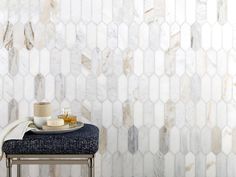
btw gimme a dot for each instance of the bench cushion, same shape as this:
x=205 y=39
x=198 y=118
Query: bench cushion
x=82 y=141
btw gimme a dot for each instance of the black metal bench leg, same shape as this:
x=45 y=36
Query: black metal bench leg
x=91 y=167
x=9 y=167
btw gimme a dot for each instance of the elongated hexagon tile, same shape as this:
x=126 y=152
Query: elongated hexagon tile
x=200 y=165
x=8 y=36
x=159 y=164
x=133 y=139
x=138 y=164
x=18 y=87
x=29 y=35
x=13 y=110
x=179 y=164
x=8 y=89
x=103 y=140
x=4 y=112
x=164 y=140
x=206 y=140
x=148 y=162
x=174 y=140
x=127 y=109
x=211 y=165
x=149 y=59
x=159 y=62
x=148 y=114
x=44 y=63
x=86 y=109
x=154 y=140
x=190 y=165
x=13 y=66
x=106 y=164
x=101 y=87
x=174 y=88
x=169 y=165
x=122 y=88
x=231 y=110
x=49 y=87
x=190 y=113
x=107 y=114
x=221 y=165
x=169 y=114
x=55 y=61
x=81 y=87
x=143 y=139
x=231 y=171
x=112 y=91
x=60 y=87
x=122 y=145
x=180 y=114
x=195 y=137
x=200 y=114
x=39 y=87
x=164 y=88
x=185 y=140
x=117 y=164
x=117 y=119
x=112 y=139
x=226 y=140
x=70 y=87
x=216 y=140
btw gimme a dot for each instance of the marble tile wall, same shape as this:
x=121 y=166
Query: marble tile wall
x=158 y=77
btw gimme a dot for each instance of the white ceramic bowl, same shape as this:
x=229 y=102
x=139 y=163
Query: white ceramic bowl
x=40 y=121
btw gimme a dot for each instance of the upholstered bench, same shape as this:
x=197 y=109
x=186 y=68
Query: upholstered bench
x=77 y=147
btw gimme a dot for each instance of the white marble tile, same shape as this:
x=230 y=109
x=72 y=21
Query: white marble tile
x=211 y=165
x=138 y=114
x=112 y=139
x=107 y=114
x=226 y=140
x=143 y=139
x=179 y=165
x=138 y=164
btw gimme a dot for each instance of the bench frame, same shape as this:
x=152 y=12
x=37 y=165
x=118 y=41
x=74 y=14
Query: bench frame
x=50 y=159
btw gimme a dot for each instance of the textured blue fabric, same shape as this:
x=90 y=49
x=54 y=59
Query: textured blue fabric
x=82 y=141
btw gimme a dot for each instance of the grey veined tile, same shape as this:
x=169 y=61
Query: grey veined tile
x=13 y=59
x=133 y=139
x=13 y=110
x=39 y=87
x=164 y=140
x=29 y=36
x=8 y=36
x=159 y=164
x=195 y=36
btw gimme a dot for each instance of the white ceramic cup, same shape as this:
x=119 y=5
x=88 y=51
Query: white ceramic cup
x=40 y=121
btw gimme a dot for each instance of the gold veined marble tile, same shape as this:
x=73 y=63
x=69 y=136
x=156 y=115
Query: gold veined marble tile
x=29 y=36
x=8 y=36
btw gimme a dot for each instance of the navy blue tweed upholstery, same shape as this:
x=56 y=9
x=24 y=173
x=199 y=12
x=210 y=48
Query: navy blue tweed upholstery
x=82 y=141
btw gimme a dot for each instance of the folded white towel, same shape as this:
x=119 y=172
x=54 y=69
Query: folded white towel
x=14 y=130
